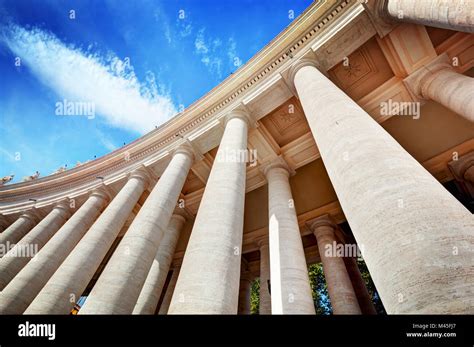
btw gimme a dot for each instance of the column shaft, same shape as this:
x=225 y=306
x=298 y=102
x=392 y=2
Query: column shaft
x=31 y=243
x=455 y=15
x=265 y=306
x=209 y=278
x=17 y=230
x=155 y=280
x=363 y=297
x=68 y=283
x=165 y=304
x=341 y=292
x=451 y=89
x=290 y=287
x=417 y=239
x=244 y=293
x=21 y=291
x=119 y=286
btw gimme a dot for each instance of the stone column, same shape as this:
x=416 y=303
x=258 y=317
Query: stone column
x=165 y=304
x=290 y=288
x=462 y=169
x=32 y=242
x=417 y=239
x=341 y=292
x=21 y=291
x=68 y=283
x=244 y=292
x=155 y=280
x=12 y=234
x=363 y=297
x=448 y=14
x=469 y=174
x=119 y=285
x=439 y=82
x=265 y=301
x=209 y=278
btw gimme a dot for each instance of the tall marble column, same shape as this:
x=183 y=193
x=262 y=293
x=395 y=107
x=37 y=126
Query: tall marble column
x=439 y=82
x=165 y=304
x=20 y=292
x=360 y=289
x=290 y=287
x=417 y=239
x=265 y=306
x=31 y=243
x=209 y=277
x=119 y=286
x=12 y=234
x=68 y=283
x=341 y=292
x=155 y=280
x=448 y=14
x=244 y=292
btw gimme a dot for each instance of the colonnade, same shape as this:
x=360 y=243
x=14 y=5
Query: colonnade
x=417 y=238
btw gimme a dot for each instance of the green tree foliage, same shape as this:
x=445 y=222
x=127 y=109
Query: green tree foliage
x=255 y=297
x=322 y=303
x=370 y=286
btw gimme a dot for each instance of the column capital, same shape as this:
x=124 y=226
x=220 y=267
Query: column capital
x=102 y=192
x=64 y=206
x=262 y=241
x=321 y=224
x=241 y=112
x=186 y=147
x=142 y=174
x=180 y=217
x=461 y=168
x=377 y=12
x=32 y=214
x=300 y=64
x=277 y=163
x=419 y=80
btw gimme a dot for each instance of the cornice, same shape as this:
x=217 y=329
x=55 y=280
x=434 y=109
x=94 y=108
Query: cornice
x=156 y=145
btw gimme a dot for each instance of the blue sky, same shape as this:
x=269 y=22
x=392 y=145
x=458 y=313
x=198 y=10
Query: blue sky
x=135 y=63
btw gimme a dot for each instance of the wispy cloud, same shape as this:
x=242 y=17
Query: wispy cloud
x=234 y=59
x=185 y=27
x=105 y=141
x=213 y=51
x=162 y=18
x=207 y=49
x=120 y=99
x=6 y=154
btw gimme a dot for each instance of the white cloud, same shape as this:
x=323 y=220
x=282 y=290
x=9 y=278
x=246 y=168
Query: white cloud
x=213 y=51
x=208 y=51
x=232 y=53
x=106 y=141
x=6 y=154
x=163 y=20
x=200 y=43
x=120 y=99
x=185 y=28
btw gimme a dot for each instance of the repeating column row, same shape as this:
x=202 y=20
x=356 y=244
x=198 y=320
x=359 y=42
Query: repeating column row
x=396 y=209
x=119 y=286
x=21 y=291
x=70 y=280
x=370 y=172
